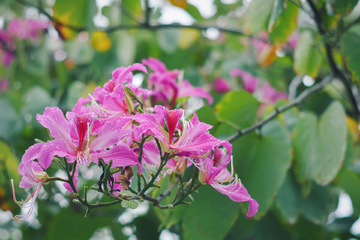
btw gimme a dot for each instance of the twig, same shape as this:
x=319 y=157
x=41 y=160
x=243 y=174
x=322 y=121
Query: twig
x=281 y=109
x=145 y=25
x=334 y=68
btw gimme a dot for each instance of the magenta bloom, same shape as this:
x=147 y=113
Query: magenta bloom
x=269 y=94
x=33 y=174
x=187 y=90
x=213 y=171
x=259 y=44
x=250 y=82
x=221 y=85
x=191 y=138
x=26 y=28
x=7 y=48
x=82 y=138
x=293 y=40
x=112 y=97
x=166 y=84
x=4 y=85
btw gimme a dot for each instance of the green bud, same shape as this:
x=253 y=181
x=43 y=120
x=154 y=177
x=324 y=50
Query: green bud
x=125 y=204
x=133 y=204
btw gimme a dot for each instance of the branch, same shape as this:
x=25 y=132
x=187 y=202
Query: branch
x=334 y=68
x=281 y=109
x=145 y=25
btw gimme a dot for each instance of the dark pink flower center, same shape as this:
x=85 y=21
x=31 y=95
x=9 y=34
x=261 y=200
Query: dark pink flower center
x=172 y=123
x=217 y=157
x=82 y=129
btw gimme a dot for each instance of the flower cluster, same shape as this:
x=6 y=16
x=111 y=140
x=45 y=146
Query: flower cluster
x=21 y=29
x=121 y=128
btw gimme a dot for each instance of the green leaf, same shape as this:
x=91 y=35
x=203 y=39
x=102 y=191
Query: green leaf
x=125 y=204
x=168 y=217
x=268 y=228
x=350 y=45
x=276 y=11
x=8 y=170
x=37 y=99
x=258 y=14
x=8 y=157
x=307 y=59
x=320 y=144
x=210 y=216
x=73 y=13
x=350 y=153
x=238 y=108
x=171 y=217
x=194 y=12
x=167 y=39
x=261 y=162
x=318 y=205
x=287 y=199
x=146 y=226
x=133 y=204
x=8 y=120
x=305 y=229
x=343 y=6
x=207 y=115
x=350 y=182
x=69 y=225
x=285 y=25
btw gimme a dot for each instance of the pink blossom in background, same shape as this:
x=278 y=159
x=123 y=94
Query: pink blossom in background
x=293 y=40
x=221 y=85
x=250 y=82
x=260 y=44
x=270 y=95
x=188 y=90
x=7 y=48
x=213 y=171
x=170 y=85
x=4 y=85
x=26 y=28
x=33 y=174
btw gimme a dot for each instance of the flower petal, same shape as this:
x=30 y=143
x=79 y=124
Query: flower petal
x=106 y=137
x=54 y=120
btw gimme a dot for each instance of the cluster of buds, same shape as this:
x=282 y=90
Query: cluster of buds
x=121 y=128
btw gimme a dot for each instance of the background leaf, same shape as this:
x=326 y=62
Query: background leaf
x=215 y=215
x=320 y=144
x=307 y=59
x=261 y=162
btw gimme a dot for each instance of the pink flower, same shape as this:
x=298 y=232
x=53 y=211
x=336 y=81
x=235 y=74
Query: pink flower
x=33 y=174
x=166 y=84
x=213 y=171
x=82 y=138
x=151 y=160
x=191 y=138
x=114 y=101
x=7 y=48
x=269 y=95
x=4 y=85
x=260 y=45
x=250 y=82
x=187 y=90
x=221 y=85
x=293 y=40
x=26 y=28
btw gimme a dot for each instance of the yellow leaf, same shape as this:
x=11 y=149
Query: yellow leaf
x=179 y=3
x=267 y=56
x=100 y=41
x=64 y=32
x=353 y=127
x=187 y=37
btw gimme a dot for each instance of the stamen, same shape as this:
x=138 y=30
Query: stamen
x=14 y=197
